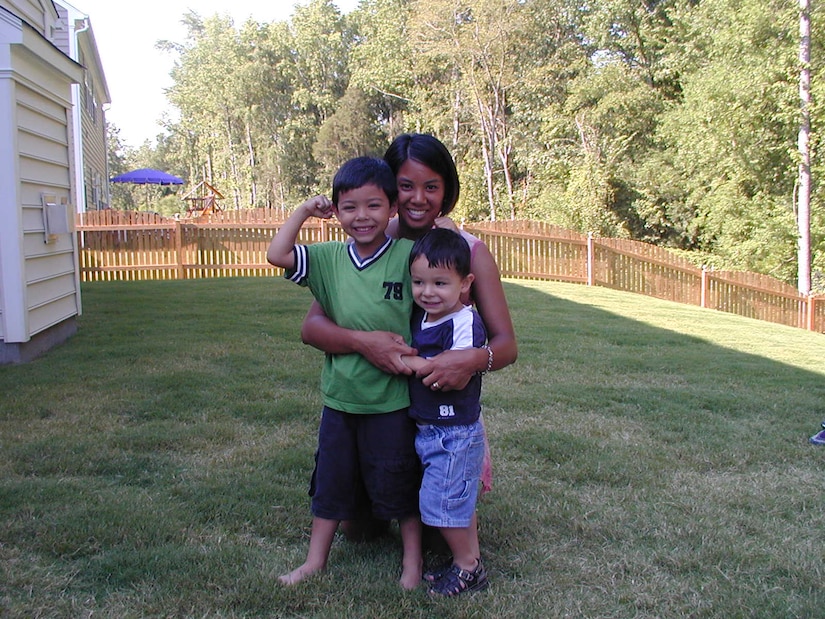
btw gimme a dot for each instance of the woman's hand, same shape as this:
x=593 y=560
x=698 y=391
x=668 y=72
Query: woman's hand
x=446 y=222
x=452 y=369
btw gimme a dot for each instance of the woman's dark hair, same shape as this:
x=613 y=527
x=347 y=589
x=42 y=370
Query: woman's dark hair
x=427 y=150
x=443 y=248
x=362 y=171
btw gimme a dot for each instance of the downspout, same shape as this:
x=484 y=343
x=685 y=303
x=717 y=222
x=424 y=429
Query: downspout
x=77 y=123
x=107 y=194
x=77 y=134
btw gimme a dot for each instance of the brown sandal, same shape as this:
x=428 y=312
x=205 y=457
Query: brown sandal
x=435 y=573
x=456 y=581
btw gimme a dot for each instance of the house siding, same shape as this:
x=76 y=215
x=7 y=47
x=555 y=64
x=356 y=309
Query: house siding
x=93 y=123
x=95 y=173
x=39 y=291
x=33 y=12
x=43 y=147
x=90 y=164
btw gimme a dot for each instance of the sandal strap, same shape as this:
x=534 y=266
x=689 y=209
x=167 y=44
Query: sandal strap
x=435 y=573
x=464 y=574
x=457 y=580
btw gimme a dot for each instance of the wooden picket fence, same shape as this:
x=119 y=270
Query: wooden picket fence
x=129 y=245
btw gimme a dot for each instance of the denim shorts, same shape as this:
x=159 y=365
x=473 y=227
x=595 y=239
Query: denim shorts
x=365 y=462
x=451 y=457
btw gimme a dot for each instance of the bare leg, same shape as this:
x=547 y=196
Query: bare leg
x=412 y=562
x=471 y=542
x=467 y=574
x=320 y=542
x=459 y=541
x=475 y=548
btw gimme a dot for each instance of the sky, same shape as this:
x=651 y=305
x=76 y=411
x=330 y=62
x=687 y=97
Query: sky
x=136 y=72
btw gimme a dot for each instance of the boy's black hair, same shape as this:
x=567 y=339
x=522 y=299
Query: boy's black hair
x=426 y=149
x=443 y=248
x=362 y=171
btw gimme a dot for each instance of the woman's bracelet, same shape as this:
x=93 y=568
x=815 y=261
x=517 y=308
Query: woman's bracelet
x=489 y=361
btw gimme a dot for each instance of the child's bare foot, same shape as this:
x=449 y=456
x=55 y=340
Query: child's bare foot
x=411 y=576
x=298 y=574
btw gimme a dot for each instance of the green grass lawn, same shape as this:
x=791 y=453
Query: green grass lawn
x=651 y=460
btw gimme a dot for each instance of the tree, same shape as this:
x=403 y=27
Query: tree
x=804 y=202
x=638 y=34
x=551 y=56
x=210 y=106
x=268 y=78
x=120 y=197
x=733 y=130
x=615 y=112
x=318 y=74
x=350 y=131
x=381 y=60
x=477 y=39
x=251 y=102
x=670 y=121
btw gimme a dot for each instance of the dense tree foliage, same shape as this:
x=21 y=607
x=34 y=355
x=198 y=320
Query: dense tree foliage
x=668 y=121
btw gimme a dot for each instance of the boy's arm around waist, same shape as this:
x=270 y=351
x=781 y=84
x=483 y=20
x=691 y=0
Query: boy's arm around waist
x=381 y=348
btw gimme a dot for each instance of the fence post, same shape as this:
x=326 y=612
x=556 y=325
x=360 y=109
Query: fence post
x=590 y=258
x=179 y=248
x=811 y=305
x=703 y=296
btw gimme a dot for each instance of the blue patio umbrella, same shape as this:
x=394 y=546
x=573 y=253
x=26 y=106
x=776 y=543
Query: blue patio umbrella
x=147 y=176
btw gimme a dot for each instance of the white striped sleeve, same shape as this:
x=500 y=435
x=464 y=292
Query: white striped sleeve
x=299 y=273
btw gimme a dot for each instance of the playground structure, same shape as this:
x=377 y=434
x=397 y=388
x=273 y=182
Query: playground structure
x=203 y=200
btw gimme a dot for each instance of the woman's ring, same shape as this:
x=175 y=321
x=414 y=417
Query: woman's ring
x=435 y=385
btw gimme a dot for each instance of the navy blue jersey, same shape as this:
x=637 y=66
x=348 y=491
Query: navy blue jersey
x=460 y=330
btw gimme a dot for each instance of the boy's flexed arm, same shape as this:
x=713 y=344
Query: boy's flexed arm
x=280 y=252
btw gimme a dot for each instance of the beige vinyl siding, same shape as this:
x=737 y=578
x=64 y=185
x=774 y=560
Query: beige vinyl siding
x=41 y=268
x=93 y=142
x=42 y=293
x=43 y=159
x=35 y=12
x=92 y=119
x=33 y=120
x=47 y=151
x=39 y=286
x=56 y=311
x=94 y=162
x=60 y=32
x=44 y=164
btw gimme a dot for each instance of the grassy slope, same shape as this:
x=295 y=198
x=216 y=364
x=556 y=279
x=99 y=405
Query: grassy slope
x=651 y=460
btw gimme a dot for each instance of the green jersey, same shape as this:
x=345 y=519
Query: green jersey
x=365 y=294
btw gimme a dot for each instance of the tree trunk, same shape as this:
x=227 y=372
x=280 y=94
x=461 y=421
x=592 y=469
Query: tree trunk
x=804 y=194
x=488 y=146
x=250 y=147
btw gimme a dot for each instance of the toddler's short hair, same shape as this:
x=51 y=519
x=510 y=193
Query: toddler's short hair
x=443 y=248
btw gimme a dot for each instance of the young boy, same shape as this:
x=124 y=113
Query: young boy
x=450 y=437
x=366 y=440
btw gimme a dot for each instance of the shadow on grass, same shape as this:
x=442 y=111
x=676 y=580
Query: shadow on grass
x=650 y=460
x=636 y=458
